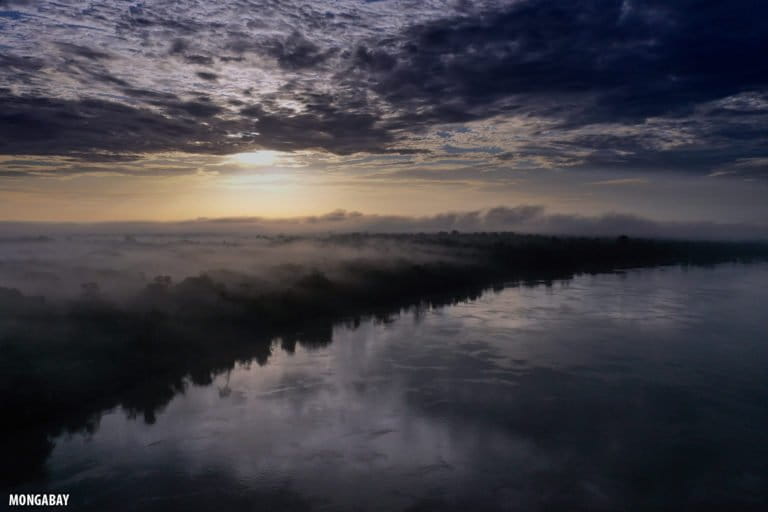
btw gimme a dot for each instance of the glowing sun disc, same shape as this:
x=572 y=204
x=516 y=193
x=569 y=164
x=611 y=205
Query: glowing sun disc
x=264 y=157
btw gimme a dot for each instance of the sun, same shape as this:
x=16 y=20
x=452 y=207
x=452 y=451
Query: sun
x=255 y=158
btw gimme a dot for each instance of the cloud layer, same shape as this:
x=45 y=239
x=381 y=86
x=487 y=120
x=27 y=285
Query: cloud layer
x=641 y=85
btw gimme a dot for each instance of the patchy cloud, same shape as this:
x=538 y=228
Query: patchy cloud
x=624 y=85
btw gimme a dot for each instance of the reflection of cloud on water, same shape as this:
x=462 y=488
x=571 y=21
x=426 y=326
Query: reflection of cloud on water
x=470 y=404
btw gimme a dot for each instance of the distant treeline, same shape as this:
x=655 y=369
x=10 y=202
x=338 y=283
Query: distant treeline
x=63 y=364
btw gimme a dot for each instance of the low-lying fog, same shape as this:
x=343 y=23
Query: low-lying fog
x=114 y=260
x=117 y=266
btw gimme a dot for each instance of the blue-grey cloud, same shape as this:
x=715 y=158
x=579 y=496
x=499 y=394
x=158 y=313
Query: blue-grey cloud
x=617 y=84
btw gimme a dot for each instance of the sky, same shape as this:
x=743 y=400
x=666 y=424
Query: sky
x=164 y=110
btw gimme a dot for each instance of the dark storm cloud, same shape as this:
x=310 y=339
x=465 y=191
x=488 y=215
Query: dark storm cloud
x=83 y=51
x=297 y=52
x=47 y=126
x=618 y=84
x=199 y=59
x=586 y=63
x=325 y=123
x=15 y=64
x=181 y=48
x=630 y=60
x=205 y=75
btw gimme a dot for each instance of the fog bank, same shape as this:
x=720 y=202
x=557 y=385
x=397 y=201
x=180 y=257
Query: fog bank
x=522 y=219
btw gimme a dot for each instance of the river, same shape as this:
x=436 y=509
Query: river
x=644 y=389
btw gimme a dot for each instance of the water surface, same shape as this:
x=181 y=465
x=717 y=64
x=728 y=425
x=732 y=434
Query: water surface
x=636 y=390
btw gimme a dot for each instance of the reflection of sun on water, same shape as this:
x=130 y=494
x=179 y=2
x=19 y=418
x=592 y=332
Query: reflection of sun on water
x=264 y=157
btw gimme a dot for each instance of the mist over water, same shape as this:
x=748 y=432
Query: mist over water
x=646 y=387
x=121 y=265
